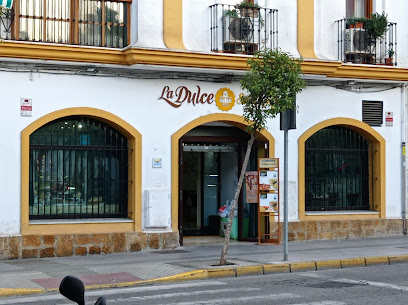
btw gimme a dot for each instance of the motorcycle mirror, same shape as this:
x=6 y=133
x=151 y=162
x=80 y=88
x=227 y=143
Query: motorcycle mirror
x=73 y=289
x=101 y=301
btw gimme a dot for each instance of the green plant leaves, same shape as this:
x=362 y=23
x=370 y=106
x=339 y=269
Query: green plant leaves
x=271 y=84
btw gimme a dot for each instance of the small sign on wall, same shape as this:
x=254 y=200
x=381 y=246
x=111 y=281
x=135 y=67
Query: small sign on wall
x=26 y=107
x=389 y=119
x=157 y=163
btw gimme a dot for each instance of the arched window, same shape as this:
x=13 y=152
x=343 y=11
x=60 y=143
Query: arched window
x=337 y=171
x=78 y=169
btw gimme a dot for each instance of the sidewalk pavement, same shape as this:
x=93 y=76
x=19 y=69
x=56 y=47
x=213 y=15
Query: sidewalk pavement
x=192 y=262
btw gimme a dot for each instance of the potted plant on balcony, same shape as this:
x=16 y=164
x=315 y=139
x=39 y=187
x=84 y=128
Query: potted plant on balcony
x=389 y=61
x=248 y=9
x=231 y=13
x=376 y=26
x=356 y=22
x=241 y=28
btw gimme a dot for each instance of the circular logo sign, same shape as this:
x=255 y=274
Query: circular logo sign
x=225 y=99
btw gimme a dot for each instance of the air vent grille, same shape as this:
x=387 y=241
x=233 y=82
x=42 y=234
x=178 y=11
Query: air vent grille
x=373 y=113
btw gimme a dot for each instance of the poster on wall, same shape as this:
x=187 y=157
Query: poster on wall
x=251 y=187
x=269 y=201
x=268 y=180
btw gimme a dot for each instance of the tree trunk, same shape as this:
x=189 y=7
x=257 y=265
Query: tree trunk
x=224 y=253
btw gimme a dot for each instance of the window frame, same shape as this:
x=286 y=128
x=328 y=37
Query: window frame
x=62 y=173
x=378 y=172
x=133 y=223
x=73 y=35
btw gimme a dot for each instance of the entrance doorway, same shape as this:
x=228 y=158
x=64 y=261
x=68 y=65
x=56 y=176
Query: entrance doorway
x=210 y=174
x=210 y=162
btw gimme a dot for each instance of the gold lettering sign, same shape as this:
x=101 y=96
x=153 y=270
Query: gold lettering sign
x=182 y=94
x=268 y=162
x=224 y=98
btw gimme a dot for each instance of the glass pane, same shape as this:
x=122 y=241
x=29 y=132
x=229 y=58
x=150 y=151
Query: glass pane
x=30 y=29
x=58 y=31
x=355 y=8
x=115 y=29
x=210 y=185
x=191 y=191
x=90 y=22
x=250 y=220
x=58 y=14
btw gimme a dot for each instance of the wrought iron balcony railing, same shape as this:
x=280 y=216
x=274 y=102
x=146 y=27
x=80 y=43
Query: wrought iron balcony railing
x=243 y=31
x=101 y=23
x=356 y=44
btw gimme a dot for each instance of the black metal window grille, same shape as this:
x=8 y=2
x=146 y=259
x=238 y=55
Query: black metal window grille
x=100 y=23
x=78 y=169
x=355 y=45
x=337 y=171
x=242 y=31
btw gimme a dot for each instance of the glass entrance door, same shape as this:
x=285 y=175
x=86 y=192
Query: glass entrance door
x=208 y=179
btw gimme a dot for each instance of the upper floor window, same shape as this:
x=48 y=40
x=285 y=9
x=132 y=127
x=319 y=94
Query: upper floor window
x=358 y=8
x=102 y=23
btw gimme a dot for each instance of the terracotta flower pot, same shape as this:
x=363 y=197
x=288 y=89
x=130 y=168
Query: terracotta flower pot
x=249 y=12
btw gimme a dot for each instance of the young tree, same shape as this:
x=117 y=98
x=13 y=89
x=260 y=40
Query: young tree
x=271 y=86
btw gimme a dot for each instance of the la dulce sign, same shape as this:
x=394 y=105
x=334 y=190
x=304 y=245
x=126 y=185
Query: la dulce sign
x=224 y=98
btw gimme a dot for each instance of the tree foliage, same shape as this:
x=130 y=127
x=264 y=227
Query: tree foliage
x=271 y=86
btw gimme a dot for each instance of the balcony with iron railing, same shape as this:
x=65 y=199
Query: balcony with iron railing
x=100 y=23
x=243 y=31
x=356 y=43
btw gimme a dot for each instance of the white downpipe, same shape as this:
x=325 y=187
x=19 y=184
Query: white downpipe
x=404 y=158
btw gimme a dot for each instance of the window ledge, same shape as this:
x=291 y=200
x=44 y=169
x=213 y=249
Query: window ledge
x=80 y=221
x=328 y=213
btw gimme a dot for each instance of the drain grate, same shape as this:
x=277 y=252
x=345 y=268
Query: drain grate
x=170 y=251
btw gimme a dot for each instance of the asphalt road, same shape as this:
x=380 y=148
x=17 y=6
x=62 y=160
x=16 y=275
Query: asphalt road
x=366 y=285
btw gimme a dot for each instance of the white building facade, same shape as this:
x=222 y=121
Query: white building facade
x=122 y=128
